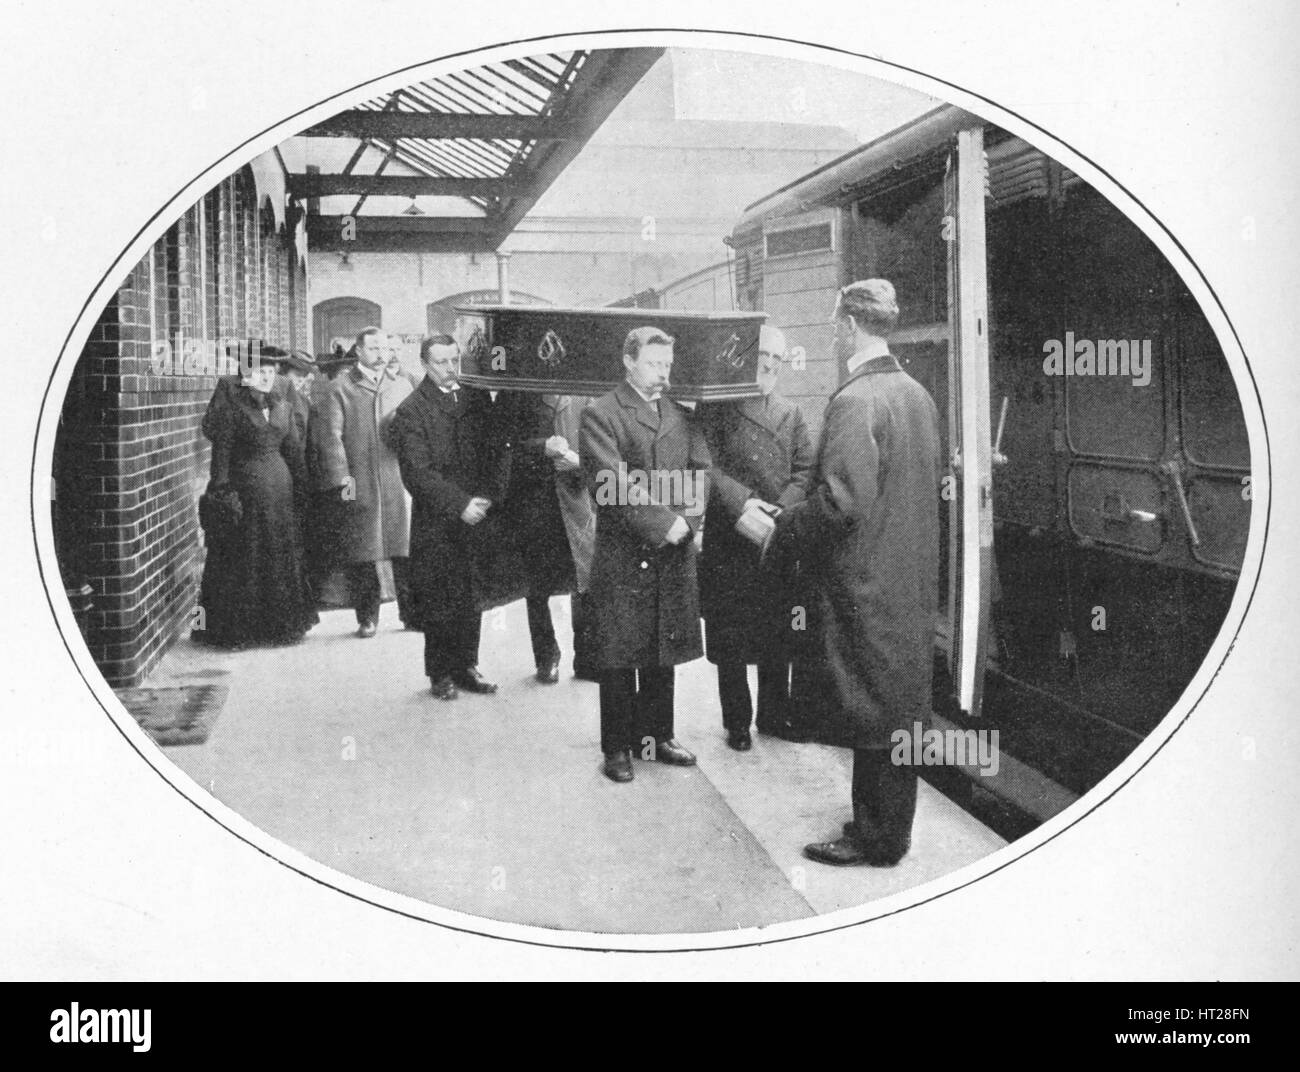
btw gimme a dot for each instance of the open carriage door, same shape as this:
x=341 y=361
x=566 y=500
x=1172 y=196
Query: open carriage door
x=969 y=496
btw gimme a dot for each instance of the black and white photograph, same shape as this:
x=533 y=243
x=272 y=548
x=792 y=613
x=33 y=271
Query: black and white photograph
x=569 y=487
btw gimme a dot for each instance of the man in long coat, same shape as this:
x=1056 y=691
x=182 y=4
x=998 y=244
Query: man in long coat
x=357 y=467
x=401 y=575
x=762 y=461
x=647 y=464
x=579 y=514
x=546 y=506
x=870 y=530
x=444 y=438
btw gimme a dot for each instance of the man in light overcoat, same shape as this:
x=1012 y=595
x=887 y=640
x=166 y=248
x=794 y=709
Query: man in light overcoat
x=358 y=469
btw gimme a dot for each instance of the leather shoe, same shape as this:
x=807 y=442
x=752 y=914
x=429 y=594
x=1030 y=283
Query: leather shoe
x=618 y=766
x=843 y=853
x=673 y=754
x=548 y=673
x=740 y=740
x=585 y=673
x=849 y=851
x=366 y=630
x=444 y=688
x=472 y=681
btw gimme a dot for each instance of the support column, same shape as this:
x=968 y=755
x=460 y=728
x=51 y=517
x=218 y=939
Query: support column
x=503 y=278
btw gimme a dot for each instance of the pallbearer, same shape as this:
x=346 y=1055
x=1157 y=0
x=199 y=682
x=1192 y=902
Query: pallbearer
x=443 y=438
x=762 y=462
x=548 y=514
x=647 y=463
x=870 y=527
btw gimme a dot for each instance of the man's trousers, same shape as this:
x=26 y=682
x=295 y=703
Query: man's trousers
x=636 y=704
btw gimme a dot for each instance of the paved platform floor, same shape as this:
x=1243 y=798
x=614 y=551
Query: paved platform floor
x=496 y=806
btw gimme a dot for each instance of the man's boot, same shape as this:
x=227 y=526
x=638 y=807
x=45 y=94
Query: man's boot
x=859 y=845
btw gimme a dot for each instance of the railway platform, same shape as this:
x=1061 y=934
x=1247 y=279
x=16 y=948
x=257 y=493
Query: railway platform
x=496 y=806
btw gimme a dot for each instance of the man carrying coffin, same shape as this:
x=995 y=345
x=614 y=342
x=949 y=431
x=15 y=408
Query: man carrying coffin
x=762 y=462
x=548 y=514
x=444 y=439
x=647 y=463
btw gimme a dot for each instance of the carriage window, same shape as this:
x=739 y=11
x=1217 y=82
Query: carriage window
x=818 y=238
x=1111 y=279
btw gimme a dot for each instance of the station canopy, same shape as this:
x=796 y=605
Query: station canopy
x=454 y=163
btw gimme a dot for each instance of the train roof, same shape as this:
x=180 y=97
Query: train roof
x=836 y=180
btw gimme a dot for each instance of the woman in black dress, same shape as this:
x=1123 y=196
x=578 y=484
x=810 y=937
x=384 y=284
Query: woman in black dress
x=255 y=588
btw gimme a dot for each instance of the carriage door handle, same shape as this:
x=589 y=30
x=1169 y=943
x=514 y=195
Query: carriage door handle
x=1175 y=471
x=998 y=457
x=1116 y=509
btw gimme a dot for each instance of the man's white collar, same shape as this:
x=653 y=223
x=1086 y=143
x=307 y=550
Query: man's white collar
x=870 y=350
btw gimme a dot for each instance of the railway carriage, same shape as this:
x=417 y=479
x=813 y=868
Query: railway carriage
x=1096 y=510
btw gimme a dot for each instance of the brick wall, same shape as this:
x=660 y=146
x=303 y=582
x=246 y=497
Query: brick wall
x=130 y=458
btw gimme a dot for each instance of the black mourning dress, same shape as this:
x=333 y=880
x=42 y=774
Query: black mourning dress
x=255 y=588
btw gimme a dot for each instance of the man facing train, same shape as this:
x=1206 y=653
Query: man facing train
x=869 y=529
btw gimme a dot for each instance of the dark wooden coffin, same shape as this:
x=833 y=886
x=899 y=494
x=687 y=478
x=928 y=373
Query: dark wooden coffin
x=543 y=349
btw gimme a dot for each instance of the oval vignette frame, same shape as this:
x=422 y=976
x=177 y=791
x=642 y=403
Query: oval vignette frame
x=736 y=42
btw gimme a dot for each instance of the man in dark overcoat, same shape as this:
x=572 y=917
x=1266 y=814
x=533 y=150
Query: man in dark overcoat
x=532 y=513
x=356 y=466
x=870 y=530
x=445 y=442
x=401 y=575
x=762 y=462
x=647 y=465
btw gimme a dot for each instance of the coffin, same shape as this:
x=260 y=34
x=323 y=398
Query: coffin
x=546 y=350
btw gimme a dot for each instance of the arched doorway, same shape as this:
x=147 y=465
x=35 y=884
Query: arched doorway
x=339 y=319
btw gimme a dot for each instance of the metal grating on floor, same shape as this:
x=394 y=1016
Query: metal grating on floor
x=177 y=715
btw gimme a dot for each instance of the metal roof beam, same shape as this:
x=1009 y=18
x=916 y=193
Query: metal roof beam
x=390 y=125
x=383 y=234
x=305 y=186
x=408 y=242
x=462 y=224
